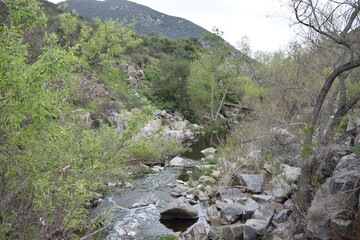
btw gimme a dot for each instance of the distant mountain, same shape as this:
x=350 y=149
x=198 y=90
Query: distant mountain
x=149 y=20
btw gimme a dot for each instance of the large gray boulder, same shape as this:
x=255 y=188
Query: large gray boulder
x=196 y=232
x=336 y=203
x=257 y=226
x=176 y=161
x=253 y=181
x=231 y=212
x=232 y=232
x=179 y=209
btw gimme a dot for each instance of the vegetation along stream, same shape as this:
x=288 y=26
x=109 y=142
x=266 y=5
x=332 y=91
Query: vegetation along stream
x=135 y=213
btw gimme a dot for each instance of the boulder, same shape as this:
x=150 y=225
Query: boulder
x=176 y=161
x=250 y=207
x=253 y=181
x=179 y=209
x=179 y=190
x=257 y=226
x=283 y=136
x=334 y=207
x=233 y=194
x=212 y=212
x=231 y=212
x=232 y=232
x=196 y=232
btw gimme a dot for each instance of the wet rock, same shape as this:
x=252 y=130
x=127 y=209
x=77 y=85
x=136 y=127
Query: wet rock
x=157 y=169
x=127 y=185
x=253 y=181
x=262 y=198
x=282 y=216
x=179 y=209
x=196 y=232
x=176 y=161
x=231 y=213
x=179 y=190
x=232 y=232
x=207 y=151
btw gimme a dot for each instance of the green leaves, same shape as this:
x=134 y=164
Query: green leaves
x=108 y=40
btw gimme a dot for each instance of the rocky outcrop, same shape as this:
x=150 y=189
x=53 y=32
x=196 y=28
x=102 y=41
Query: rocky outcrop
x=179 y=209
x=336 y=203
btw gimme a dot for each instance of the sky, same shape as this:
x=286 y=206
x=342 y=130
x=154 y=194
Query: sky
x=265 y=22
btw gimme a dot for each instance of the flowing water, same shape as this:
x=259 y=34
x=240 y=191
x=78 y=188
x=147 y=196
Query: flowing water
x=151 y=193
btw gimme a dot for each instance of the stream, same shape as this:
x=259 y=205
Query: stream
x=151 y=193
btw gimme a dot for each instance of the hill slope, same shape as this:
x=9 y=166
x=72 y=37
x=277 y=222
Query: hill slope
x=149 y=20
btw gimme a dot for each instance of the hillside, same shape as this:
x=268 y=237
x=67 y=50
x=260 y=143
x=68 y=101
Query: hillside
x=149 y=20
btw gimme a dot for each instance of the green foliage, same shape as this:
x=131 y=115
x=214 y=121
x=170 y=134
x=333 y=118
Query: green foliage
x=106 y=43
x=68 y=23
x=169 y=237
x=171 y=86
x=153 y=149
x=306 y=151
x=343 y=125
x=212 y=78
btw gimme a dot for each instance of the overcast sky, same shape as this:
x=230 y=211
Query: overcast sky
x=264 y=22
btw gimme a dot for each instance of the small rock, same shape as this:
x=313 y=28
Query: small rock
x=250 y=207
x=231 y=213
x=203 y=197
x=282 y=216
x=204 y=179
x=289 y=204
x=179 y=190
x=212 y=212
x=277 y=206
x=179 y=209
x=207 y=151
x=216 y=173
x=128 y=185
x=262 y=198
x=111 y=184
x=176 y=161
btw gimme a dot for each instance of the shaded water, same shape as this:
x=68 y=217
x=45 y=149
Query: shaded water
x=154 y=192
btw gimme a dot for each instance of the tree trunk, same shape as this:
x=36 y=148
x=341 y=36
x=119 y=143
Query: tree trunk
x=323 y=93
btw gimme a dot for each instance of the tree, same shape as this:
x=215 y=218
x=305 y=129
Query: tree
x=333 y=26
x=211 y=77
x=101 y=45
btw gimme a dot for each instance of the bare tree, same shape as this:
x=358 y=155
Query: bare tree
x=336 y=23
